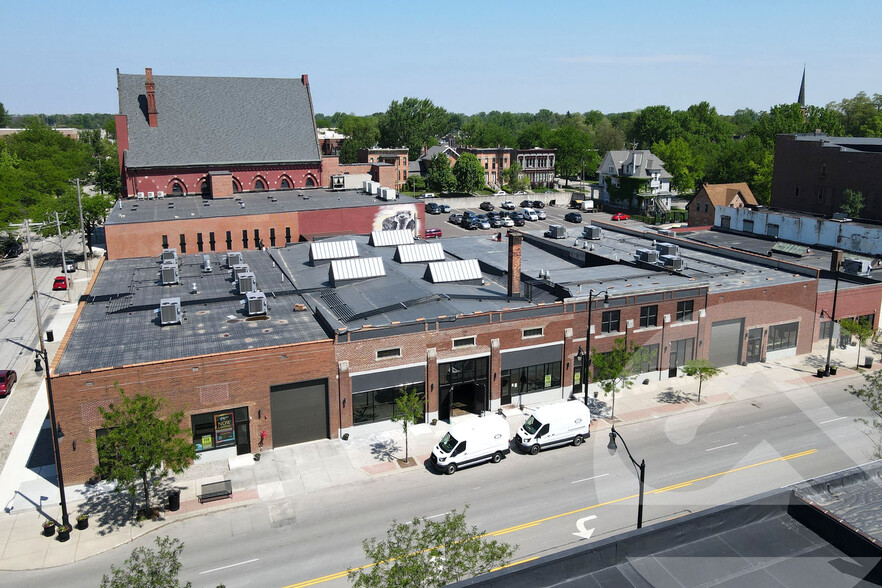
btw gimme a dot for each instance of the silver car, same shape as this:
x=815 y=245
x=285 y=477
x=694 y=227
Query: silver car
x=541 y=214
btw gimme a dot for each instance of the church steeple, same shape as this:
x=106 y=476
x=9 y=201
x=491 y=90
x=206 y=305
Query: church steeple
x=801 y=99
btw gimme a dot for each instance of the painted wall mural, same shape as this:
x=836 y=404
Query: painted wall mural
x=396 y=218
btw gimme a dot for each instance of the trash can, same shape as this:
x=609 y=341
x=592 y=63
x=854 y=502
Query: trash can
x=174 y=500
x=868 y=361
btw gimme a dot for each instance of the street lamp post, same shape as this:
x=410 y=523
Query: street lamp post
x=586 y=357
x=641 y=469
x=833 y=319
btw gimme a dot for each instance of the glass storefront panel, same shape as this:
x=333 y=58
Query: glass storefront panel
x=216 y=430
x=531 y=379
x=379 y=405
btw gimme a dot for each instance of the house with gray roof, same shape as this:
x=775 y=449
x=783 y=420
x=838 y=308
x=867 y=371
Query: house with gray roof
x=635 y=179
x=215 y=136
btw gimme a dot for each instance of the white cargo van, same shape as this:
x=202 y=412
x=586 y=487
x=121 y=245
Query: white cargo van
x=555 y=424
x=482 y=439
x=530 y=214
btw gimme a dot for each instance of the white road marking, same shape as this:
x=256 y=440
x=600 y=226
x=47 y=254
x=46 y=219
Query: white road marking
x=583 y=532
x=721 y=446
x=241 y=563
x=832 y=420
x=437 y=515
x=591 y=478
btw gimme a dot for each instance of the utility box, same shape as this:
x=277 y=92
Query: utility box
x=168 y=273
x=233 y=258
x=239 y=269
x=388 y=194
x=556 y=232
x=169 y=255
x=647 y=256
x=246 y=282
x=667 y=249
x=169 y=311
x=672 y=262
x=255 y=303
x=856 y=267
x=591 y=232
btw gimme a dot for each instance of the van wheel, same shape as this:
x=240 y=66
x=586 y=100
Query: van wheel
x=578 y=440
x=534 y=449
x=497 y=457
x=450 y=469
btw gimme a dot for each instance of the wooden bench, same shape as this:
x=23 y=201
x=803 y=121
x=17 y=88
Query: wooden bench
x=216 y=490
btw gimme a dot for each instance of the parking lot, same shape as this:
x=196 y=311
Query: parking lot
x=554 y=215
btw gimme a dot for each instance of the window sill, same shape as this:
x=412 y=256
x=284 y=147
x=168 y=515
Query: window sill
x=684 y=323
x=646 y=329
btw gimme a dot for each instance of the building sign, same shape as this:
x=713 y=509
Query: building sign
x=206 y=443
x=223 y=427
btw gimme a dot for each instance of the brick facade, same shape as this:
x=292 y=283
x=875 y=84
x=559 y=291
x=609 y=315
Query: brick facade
x=397 y=158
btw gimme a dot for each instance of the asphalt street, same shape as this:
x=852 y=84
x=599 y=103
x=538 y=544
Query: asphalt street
x=694 y=460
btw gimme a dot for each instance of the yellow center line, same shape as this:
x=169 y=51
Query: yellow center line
x=516 y=563
x=523 y=526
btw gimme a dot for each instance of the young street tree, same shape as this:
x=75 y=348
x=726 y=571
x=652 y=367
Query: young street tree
x=469 y=173
x=702 y=370
x=613 y=369
x=142 y=446
x=871 y=395
x=429 y=553
x=854 y=203
x=862 y=329
x=439 y=175
x=408 y=410
x=149 y=568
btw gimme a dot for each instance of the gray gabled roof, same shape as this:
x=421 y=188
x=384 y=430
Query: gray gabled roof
x=218 y=121
x=643 y=159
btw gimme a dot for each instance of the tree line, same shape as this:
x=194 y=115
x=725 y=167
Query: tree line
x=697 y=144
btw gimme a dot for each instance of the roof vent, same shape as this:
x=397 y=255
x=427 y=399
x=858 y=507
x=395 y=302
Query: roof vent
x=241 y=204
x=856 y=267
x=255 y=303
x=169 y=311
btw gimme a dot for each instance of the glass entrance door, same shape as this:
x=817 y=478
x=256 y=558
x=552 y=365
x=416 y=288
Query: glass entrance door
x=243 y=438
x=754 y=344
x=463 y=387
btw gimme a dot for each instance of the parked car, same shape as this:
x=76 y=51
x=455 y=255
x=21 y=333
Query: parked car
x=7 y=379
x=507 y=221
x=428 y=195
x=497 y=222
x=455 y=218
x=507 y=205
x=69 y=266
x=526 y=204
x=445 y=208
x=620 y=216
x=541 y=214
x=500 y=193
x=573 y=217
x=538 y=204
x=518 y=219
x=432 y=208
x=433 y=233
x=520 y=193
x=60 y=283
x=10 y=247
x=486 y=205
x=530 y=214
x=482 y=223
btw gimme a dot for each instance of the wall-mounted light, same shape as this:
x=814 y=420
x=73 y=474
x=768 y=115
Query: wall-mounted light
x=259 y=414
x=344 y=402
x=74 y=445
x=59 y=433
x=494 y=376
x=432 y=387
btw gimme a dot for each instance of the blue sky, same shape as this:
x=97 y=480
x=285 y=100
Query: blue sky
x=61 y=57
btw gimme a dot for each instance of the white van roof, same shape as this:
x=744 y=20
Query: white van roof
x=561 y=410
x=488 y=422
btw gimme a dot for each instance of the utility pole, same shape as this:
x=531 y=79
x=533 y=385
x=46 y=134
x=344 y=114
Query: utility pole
x=27 y=226
x=83 y=231
x=63 y=258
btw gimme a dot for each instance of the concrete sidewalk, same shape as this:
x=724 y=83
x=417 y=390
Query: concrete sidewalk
x=30 y=496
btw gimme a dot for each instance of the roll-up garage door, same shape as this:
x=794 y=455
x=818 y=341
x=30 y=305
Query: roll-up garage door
x=299 y=412
x=725 y=345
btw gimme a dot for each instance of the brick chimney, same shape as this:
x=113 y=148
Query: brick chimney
x=514 y=264
x=836 y=260
x=304 y=79
x=151 y=98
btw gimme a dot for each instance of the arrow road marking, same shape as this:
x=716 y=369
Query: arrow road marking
x=583 y=532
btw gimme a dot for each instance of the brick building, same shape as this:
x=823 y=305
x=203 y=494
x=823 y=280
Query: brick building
x=494 y=160
x=538 y=165
x=812 y=173
x=397 y=158
x=174 y=131
x=702 y=206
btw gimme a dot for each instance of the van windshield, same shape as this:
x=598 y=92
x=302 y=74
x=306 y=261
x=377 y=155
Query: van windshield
x=448 y=443
x=532 y=425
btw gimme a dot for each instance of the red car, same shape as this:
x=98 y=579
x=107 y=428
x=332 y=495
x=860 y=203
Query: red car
x=433 y=233
x=60 y=283
x=620 y=216
x=7 y=379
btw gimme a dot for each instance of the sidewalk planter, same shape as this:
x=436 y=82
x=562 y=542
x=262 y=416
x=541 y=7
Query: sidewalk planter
x=63 y=533
x=833 y=369
x=48 y=528
x=82 y=522
x=821 y=372
x=256 y=457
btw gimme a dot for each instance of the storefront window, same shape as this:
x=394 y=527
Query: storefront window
x=532 y=378
x=782 y=336
x=379 y=405
x=216 y=430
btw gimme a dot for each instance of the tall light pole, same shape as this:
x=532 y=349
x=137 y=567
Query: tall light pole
x=641 y=470
x=63 y=258
x=82 y=230
x=586 y=358
x=835 y=262
x=54 y=430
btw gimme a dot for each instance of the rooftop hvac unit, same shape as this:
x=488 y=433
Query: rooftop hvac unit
x=338 y=182
x=387 y=194
x=255 y=303
x=234 y=258
x=169 y=311
x=672 y=262
x=169 y=255
x=247 y=282
x=239 y=269
x=591 y=232
x=647 y=255
x=668 y=249
x=169 y=273
x=206 y=263
x=856 y=267
x=371 y=187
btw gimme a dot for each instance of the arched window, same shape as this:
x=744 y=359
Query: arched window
x=237 y=187
x=285 y=185
x=310 y=183
x=204 y=188
x=259 y=185
x=178 y=189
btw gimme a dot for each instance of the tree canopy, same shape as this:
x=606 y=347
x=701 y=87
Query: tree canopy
x=469 y=173
x=412 y=123
x=439 y=175
x=149 y=568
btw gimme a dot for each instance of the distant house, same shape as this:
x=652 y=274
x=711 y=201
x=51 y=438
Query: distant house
x=701 y=207
x=396 y=157
x=420 y=165
x=330 y=141
x=626 y=176
x=538 y=165
x=493 y=160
